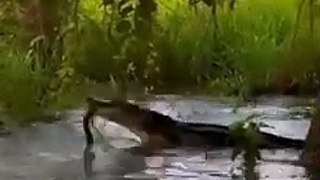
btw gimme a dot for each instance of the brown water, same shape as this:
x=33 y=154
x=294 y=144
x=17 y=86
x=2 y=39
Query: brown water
x=56 y=151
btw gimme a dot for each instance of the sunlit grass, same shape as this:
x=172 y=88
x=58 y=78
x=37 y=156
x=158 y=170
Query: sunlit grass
x=254 y=38
x=91 y=8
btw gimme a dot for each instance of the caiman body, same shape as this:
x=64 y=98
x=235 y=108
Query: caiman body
x=160 y=131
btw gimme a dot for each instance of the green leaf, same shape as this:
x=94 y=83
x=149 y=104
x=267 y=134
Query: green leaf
x=107 y=2
x=146 y=8
x=208 y=2
x=125 y=11
x=122 y=3
x=123 y=26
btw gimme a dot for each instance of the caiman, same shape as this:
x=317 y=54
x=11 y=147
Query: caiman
x=158 y=131
x=155 y=130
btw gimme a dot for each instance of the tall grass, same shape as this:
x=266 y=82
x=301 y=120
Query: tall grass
x=249 y=44
x=258 y=47
x=258 y=33
x=20 y=88
x=242 y=50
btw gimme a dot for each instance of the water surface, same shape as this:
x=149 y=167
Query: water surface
x=56 y=151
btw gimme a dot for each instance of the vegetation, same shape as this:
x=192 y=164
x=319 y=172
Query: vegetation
x=51 y=49
x=246 y=135
x=3 y=129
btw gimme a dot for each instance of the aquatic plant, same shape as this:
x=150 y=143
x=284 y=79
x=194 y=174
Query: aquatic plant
x=247 y=138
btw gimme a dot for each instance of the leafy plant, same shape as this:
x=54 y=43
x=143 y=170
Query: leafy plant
x=247 y=137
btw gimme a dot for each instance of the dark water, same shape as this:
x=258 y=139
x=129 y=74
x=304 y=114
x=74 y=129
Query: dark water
x=57 y=152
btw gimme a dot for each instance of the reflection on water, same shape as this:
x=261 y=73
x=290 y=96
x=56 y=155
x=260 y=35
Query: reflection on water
x=250 y=172
x=191 y=164
x=101 y=162
x=55 y=152
x=88 y=158
x=280 y=117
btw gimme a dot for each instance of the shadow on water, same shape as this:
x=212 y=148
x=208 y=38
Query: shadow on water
x=120 y=163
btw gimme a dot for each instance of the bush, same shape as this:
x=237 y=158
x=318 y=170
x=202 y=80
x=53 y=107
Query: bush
x=20 y=88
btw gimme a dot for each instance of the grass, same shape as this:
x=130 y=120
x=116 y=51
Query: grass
x=19 y=88
x=254 y=40
x=243 y=52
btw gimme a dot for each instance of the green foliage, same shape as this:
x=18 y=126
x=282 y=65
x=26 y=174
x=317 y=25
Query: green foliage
x=34 y=71
x=246 y=135
x=28 y=92
x=20 y=88
x=245 y=131
x=4 y=130
x=257 y=34
x=227 y=47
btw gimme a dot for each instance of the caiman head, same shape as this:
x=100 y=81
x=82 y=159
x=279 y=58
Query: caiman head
x=140 y=121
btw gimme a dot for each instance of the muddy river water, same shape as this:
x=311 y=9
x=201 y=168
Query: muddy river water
x=57 y=151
